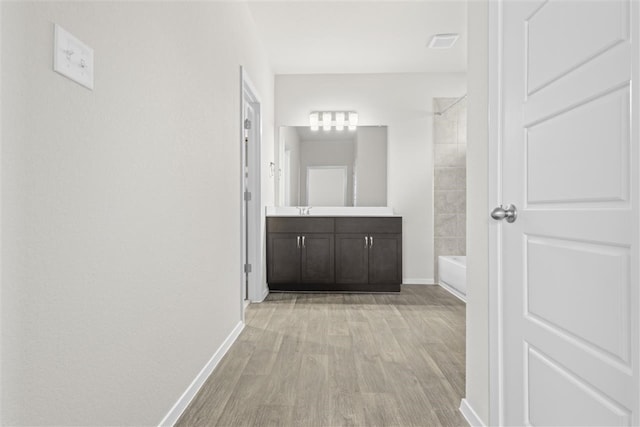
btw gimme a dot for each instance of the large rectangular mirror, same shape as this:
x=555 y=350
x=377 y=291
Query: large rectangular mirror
x=332 y=168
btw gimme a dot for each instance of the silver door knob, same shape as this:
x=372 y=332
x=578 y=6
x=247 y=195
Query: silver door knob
x=510 y=213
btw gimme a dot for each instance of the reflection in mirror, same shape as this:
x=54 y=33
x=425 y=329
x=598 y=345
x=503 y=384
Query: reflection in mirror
x=333 y=168
x=327 y=186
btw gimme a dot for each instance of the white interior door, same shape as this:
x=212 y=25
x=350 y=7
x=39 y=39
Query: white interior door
x=252 y=243
x=569 y=144
x=327 y=186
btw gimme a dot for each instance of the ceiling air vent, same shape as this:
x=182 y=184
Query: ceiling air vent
x=443 y=41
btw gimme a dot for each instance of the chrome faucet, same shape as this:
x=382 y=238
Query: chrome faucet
x=303 y=210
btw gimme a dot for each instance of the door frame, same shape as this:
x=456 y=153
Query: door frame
x=254 y=220
x=496 y=337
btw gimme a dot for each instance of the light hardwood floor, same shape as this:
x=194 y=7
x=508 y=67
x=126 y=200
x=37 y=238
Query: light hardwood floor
x=341 y=360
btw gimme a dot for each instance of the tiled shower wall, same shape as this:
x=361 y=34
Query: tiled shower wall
x=450 y=167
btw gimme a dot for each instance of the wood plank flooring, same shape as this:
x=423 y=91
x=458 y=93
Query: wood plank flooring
x=341 y=360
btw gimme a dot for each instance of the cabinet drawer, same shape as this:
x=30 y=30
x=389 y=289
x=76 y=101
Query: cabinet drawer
x=369 y=225
x=300 y=225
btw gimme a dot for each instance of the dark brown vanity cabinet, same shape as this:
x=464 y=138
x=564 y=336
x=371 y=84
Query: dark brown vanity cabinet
x=369 y=251
x=334 y=254
x=300 y=252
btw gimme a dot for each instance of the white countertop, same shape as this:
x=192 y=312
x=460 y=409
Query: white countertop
x=330 y=211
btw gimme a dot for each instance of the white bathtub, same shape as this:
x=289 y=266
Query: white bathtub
x=453 y=275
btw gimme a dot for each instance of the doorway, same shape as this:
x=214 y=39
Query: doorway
x=251 y=138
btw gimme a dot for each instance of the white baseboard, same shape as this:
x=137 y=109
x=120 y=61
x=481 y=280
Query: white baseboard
x=456 y=293
x=418 y=282
x=470 y=415
x=174 y=414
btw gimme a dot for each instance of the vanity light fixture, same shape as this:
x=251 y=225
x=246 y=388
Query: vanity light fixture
x=325 y=119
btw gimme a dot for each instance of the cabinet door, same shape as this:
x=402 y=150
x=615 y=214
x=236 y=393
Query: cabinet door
x=385 y=259
x=283 y=263
x=352 y=258
x=317 y=262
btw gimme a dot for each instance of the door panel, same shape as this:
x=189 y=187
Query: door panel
x=570 y=261
x=352 y=258
x=550 y=383
x=591 y=141
x=385 y=258
x=317 y=258
x=284 y=258
x=562 y=35
x=561 y=274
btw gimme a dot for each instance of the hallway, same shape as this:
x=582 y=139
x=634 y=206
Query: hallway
x=341 y=359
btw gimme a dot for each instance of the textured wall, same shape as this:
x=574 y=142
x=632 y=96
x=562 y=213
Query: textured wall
x=449 y=184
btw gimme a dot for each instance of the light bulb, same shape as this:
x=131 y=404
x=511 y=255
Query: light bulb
x=313 y=121
x=326 y=121
x=353 y=120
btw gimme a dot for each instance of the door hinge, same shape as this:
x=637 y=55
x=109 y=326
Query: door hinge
x=247 y=124
x=247 y=268
x=247 y=196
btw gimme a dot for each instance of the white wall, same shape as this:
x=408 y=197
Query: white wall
x=403 y=103
x=326 y=153
x=477 y=386
x=120 y=206
x=371 y=166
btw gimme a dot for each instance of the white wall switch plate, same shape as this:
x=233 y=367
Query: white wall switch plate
x=72 y=58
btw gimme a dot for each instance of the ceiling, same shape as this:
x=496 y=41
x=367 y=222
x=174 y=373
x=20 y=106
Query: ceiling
x=326 y=37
